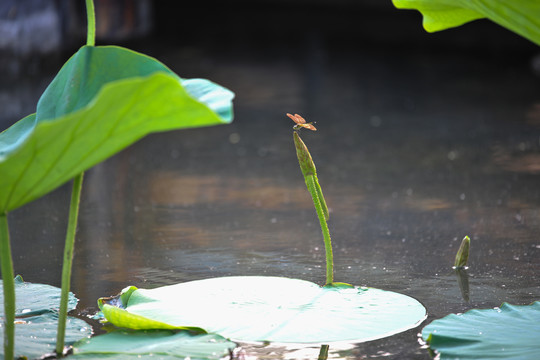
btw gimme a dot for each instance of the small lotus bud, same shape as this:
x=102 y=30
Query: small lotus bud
x=463 y=253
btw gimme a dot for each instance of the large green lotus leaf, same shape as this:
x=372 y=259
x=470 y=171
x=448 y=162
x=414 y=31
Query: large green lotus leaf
x=160 y=344
x=281 y=310
x=102 y=100
x=37 y=319
x=519 y=16
x=508 y=332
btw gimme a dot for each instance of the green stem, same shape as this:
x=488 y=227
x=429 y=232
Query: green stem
x=91 y=16
x=321 y=198
x=310 y=175
x=68 y=260
x=9 y=288
x=313 y=187
x=73 y=213
x=323 y=353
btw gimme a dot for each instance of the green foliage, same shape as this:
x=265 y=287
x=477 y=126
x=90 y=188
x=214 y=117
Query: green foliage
x=508 y=332
x=160 y=344
x=258 y=308
x=36 y=319
x=102 y=100
x=519 y=16
x=128 y=320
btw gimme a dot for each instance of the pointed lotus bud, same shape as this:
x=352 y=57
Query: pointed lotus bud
x=463 y=253
x=304 y=158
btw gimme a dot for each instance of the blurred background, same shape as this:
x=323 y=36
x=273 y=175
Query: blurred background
x=422 y=139
x=38 y=35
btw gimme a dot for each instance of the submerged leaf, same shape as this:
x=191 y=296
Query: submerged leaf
x=509 y=332
x=463 y=282
x=101 y=101
x=282 y=310
x=519 y=16
x=161 y=344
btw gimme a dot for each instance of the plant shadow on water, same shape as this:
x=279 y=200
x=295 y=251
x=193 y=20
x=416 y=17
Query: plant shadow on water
x=408 y=168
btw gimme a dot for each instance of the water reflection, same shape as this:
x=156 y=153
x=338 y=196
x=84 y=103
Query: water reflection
x=463 y=283
x=407 y=168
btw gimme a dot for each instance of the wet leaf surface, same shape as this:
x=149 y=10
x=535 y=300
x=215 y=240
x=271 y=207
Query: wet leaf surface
x=509 y=332
x=274 y=309
x=160 y=344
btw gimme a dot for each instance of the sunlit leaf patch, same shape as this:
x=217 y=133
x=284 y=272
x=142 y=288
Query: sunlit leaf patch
x=274 y=309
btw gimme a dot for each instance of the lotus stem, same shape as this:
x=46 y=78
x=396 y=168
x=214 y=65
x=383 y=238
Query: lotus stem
x=462 y=255
x=8 y=284
x=73 y=213
x=323 y=353
x=310 y=176
x=312 y=184
x=68 y=261
x=91 y=26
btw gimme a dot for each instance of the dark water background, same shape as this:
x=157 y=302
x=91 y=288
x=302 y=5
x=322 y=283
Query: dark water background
x=419 y=144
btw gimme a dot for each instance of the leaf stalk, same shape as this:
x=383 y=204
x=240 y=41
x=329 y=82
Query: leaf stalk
x=68 y=261
x=69 y=246
x=91 y=25
x=8 y=284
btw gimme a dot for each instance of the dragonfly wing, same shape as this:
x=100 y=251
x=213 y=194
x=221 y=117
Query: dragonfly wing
x=299 y=119
x=293 y=118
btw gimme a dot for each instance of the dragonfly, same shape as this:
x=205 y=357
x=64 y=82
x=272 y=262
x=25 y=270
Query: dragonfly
x=301 y=123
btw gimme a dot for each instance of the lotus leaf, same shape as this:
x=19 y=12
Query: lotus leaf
x=519 y=16
x=275 y=309
x=160 y=344
x=508 y=332
x=35 y=299
x=102 y=100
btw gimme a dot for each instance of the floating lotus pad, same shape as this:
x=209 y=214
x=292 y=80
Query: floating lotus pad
x=37 y=319
x=161 y=344
x=35 y=299
x=508 y=332
x=274 y=309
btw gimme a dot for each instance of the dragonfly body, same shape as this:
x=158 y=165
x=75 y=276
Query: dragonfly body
x=300 y=123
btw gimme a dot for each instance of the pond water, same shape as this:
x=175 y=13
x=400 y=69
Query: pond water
x=413 y=150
